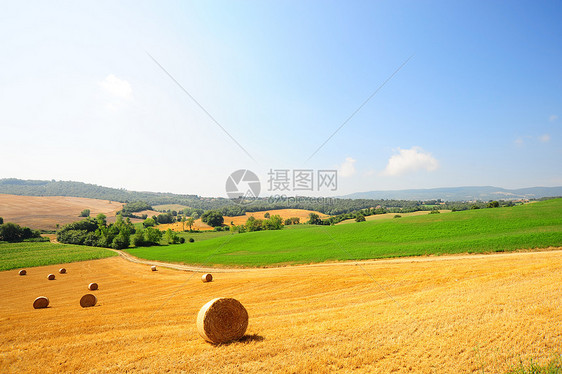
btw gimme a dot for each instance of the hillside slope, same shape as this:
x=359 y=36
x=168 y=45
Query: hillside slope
x=536 y=225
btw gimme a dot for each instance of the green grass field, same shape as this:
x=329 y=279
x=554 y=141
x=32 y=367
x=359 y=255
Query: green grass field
x=536 y=225
x=21 y=255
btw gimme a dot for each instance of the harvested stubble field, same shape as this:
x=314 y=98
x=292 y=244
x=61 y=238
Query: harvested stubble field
x=478 y=313
x=302 y=214
x=44 y=212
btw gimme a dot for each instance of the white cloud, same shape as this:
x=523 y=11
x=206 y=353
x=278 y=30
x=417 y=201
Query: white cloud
x=519 y=141
x=410 y=160
x=347 y=169
x=544 y=138
x=553 y=118
x=117 y=87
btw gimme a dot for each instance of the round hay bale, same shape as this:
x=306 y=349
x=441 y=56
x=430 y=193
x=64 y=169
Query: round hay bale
x=153 y=268
x=88 y=300
x=41 y=302
x=93 y=286
x=207 y=278
x=62 y=271
x=22 y=272
x=51 y=277
x=222 y=320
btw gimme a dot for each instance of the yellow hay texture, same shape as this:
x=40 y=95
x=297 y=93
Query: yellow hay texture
x=222 y=320
x=51 y=277
x=88 y=300
x=207 y=278
x=41 y=302
x=93 y=286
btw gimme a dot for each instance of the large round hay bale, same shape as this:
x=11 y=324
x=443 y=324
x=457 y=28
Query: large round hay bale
x=88 y=300
x=207 y=278
x=51 y=277
x=93 y=286
x=153 y=268
x=22 y=272
x=62 y=271
x=222 y=320
x=41 y=302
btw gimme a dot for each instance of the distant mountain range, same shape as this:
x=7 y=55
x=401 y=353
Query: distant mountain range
x=483 y=193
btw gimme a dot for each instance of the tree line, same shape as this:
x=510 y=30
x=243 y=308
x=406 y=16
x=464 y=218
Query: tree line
x=96 y=232
x=12 y=232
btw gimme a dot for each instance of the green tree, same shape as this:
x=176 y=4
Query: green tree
x=360 y=218
x=152 y=235
x=172 y=237
x=138 y=239
x=213 y=218
x=273 y=223
x=253 y=224
x=190 y=222
x=101 y=220
x=266 y=215
x=85 y=213
x=314 y=219
x=149 y=222
x=10 y=232
x=493 y=204
x=1 y=220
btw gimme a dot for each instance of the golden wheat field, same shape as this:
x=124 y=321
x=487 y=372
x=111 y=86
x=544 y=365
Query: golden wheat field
x=240 y=220
x=390 y=216
x=452 y=314
x=44 y=212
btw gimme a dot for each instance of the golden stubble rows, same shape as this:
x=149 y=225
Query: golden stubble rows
x=479 y=314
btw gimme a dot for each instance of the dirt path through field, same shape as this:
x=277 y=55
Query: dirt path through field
x=206 y=269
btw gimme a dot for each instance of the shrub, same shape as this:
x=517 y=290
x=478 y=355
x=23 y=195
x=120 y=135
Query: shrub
x=493 y=204
x=397 y=216
x=191 y=240
x=360 y=218
x=85 y=213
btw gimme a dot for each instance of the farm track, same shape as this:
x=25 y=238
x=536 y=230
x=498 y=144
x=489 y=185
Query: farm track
x=208 y=269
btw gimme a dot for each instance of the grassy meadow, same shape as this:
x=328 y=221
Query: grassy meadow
x=20 y=255
x=536 y=225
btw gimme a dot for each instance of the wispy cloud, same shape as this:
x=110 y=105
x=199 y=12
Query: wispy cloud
x=410 y=160
x=553 y=118
x=544 y=138
x=347 y=169
x=117 y=87
x=519 y=141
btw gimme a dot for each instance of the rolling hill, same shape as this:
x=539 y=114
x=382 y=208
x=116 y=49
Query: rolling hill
x=483 y=193
x=537 y=225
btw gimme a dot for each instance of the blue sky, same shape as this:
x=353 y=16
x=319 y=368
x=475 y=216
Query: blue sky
x=478 y=103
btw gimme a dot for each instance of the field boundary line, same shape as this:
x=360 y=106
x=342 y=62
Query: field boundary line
x=202 y=269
